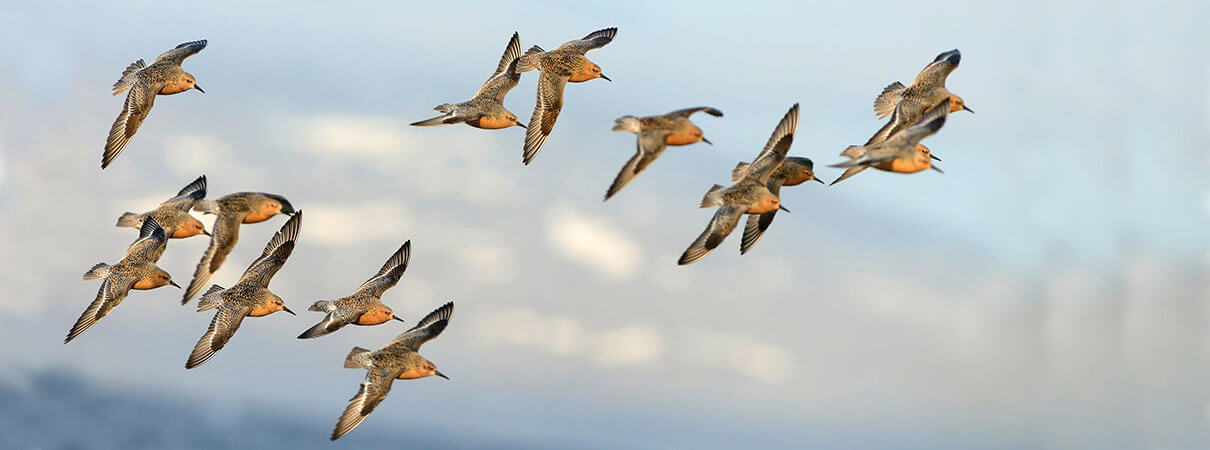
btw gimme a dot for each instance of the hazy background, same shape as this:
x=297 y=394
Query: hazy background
x=1048 y=291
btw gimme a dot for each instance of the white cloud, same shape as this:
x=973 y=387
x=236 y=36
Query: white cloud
x=593 y=242
x=633 y=344
x=489 y=263
x=363 y=135
x=189 y=155
x=562 y=335
x=341 y=224
x=744 y=355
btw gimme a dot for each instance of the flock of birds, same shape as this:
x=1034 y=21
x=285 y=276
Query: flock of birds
x=916 y=111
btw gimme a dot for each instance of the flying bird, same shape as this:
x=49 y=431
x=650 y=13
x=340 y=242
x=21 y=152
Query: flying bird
x=173 y=214
x=232 y=210
x=654 y=134
x=907 y=104
x=794 y=171
x=399 y=359
x=558 y=66
x=136 y=270
x=163 y=77
x=364 y=306
x=486 y=109
x=902 y=153
x=250 y=296
x=748 y=196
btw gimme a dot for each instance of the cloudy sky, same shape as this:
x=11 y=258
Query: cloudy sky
x=1048 y=291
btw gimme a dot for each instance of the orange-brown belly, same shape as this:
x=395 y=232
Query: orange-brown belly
x=582 y=76
x=146 y=284
x=903 y=166
x=372 y=319
x=683 y=138
x=410 y=374
x=174 y=89
x=263 y=311
x=761 y=208
x=490 y=123
x=258 y=216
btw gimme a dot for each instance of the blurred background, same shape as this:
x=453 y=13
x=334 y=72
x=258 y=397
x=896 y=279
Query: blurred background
x=1048 y=291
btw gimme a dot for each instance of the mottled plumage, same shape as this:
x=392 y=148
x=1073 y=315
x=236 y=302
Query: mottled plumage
x=654 y=134
x=399 y=359
x=364 y=306
x=163 y=77
x=794 y=171
x=232 y=210
x=901 y=153
x=558 y=66
x=486 y=109
x=250 y=296
x=173 y=214
x=748 y=196
x=136 y=270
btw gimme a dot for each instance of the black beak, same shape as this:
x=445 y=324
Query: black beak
x=819 y=180
x=783 y=208
x=707 y=141
x=522 y=125
x=198 y=88
x=283 y=308
x=207 y=233
x=606 y=78
x=173 y=283
x=936 y=168
x=968 y=109
x=934 y=157
x=442 y=375
x=397 y=318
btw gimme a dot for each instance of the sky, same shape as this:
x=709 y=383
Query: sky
x=1048 y=291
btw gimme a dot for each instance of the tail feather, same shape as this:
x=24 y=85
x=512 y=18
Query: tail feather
x=131 y=220
x=129 y=77
x=853 y=151
x=439 y=120
x=210 y=299
x=739 y=171
x=884 y=105
x=444 y=108
x=713 y=197
x=526 y=62
x=628 y=123
x=206 y=206
x=359 y=358
x=101 y=270
x=318 y=330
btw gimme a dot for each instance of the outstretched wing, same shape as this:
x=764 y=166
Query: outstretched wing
x=222 y=241
x=650 y=144
x=369 y=395
x=276 y=252
x=224 y=325
x=505 y=78
x=390 y=273
x=191 y=193
x=928 y=125
x=756 y=225
x=150 y=244
x=138 y=103
x=774 y=153
x=546 y=111
x=721 y=225
x=936 y=72
x=689 y=111
x=428 y=328
x=594 y=40
x=178 y=54
x=113 y=290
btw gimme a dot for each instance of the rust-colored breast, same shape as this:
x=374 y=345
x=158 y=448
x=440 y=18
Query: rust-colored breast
x=413 y=373
x=373 y=318
x=148 y=283
x=259 y=215
x=908 y=165
x=264 y=310
x=174 y=88
x=490 y=123
x=686 y=137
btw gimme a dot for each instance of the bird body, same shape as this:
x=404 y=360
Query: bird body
x=903 y=153
x=486 y=109
x=364 y=306
x=142 y=83
x=794 y=171
x=232 y=210
x=654 y=134
x=173 y=215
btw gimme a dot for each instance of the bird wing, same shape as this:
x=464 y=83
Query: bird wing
x=150 y=244
x=756 y=224
x=936 y=72
x=505 y=78
x=689 y=111
x=721 y=225
x=190 y=193
x=224 y=325
x=390 y=273
x=276 y=252
x=774 y=153
x=113 y=290
x=594 y=40
x=649 y=145
x=369 y=395
x=546 y=111
x=178 y=54
x=428 y=328
x=222 y=241
x=138 y=103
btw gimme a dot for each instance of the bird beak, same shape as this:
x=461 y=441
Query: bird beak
x=606 y=78
x=968 y=109
x=707 y=141
x=438 y=373
x=819 y=180
x=283 y=308
x=936 y=168
x=522 y=125
x=207 y=233
x=783 y=208
x=173 y=283
x=934 y=157
x=198 y=88
x=397 y=318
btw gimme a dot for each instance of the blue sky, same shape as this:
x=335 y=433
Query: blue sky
x=1048 y=291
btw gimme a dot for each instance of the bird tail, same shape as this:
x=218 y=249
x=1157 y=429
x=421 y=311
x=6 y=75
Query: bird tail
x=439 y=120
x=129 y=77
x=628 y=123
x=359 y=358
x=321 y=306
x=206 y=206
x=211 y=299
x=444 y=108
x=713 y=197
x=527 y=62
x=130 y=220
x=101 y=270
x=853 y=151
x=884 y=105
x=739 y=171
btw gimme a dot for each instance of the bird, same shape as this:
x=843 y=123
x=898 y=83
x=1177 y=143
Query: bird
x=232 y=210
x=654 y=133
x=906 y=104
x=250 y=296
x=794 y=171
x=558 y=66
x=173 y=214
x=486 y=109
x=163 y=77
x=398 y=359
x=902 y=153
x=364 y=306
x=748 y=196
x=136 y=270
